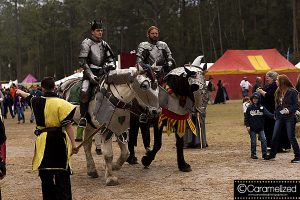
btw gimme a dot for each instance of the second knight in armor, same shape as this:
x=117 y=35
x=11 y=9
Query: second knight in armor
x=153 y=51
x=97 y=59
x=148 y=53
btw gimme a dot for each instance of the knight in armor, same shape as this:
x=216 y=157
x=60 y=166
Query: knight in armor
x=97 y=59
x=155 y=51
x=148 y=53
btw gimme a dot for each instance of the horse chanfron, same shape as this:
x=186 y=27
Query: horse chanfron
x=146 y=94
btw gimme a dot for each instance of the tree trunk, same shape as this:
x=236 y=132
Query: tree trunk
x=243 y=24
x=200 y=30
x=295 y=32
x=18 y=41
x=210 y=30
x=220 y=32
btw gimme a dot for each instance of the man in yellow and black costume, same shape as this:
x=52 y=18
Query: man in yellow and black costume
x=53 y=146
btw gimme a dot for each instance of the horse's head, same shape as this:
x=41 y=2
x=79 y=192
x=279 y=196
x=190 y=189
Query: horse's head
x=189 y=81
x=146 y=93
x=196 y=80
x=198 y=87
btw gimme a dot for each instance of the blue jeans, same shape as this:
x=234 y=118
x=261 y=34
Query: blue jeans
x=32 y=117
x=290 y=129
x=263 y=143
x=20 y=111
x=245 y=93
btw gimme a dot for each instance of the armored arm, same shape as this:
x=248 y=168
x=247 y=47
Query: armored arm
x=87 y=71
x=83 y=63
x=110 y=62
x=168 y=56
x=142 y=56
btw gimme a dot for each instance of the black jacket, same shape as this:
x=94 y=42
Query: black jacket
x=255 y=117
x=290 y=101
x=268 y=99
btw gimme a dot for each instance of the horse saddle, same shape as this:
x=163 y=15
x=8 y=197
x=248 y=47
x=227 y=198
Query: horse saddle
x=74 y=96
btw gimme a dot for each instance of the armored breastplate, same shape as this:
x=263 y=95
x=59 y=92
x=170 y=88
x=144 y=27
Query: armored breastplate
x=96 y=55
x=156 y=54
x=94 y=52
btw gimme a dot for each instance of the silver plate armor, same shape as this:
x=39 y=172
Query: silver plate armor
x=97 y=53
x=149 y=53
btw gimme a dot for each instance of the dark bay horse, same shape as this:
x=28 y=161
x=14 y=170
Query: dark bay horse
x=185 y=92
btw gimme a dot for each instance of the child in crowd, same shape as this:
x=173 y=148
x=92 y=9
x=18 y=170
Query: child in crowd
x=254 y=121
x=246 y=103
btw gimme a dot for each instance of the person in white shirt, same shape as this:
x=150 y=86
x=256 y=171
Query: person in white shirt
x=245 y=85
x=246 y=103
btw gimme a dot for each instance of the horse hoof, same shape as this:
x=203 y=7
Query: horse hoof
x=98 y=151
x=93 y=174
x=146 y=167
x=146 y=161
x=132 y=160
x=116 y=167
x=185 y=168
x=112 y=181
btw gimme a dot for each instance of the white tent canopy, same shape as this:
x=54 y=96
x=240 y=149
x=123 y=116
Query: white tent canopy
x=7 y=85
x=76 y=75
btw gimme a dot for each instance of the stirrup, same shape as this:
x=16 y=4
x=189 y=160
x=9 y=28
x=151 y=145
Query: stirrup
x=82 y=122
x=143 y=118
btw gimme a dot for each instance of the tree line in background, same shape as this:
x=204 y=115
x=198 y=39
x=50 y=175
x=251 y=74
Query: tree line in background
x=43 y=36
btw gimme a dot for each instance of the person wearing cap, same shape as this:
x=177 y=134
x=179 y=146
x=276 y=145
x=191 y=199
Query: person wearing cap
x=53 y=145
x=245 y=85
x=97 y=59
x=254 y=121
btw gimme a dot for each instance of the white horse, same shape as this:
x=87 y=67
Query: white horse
x=109 y=109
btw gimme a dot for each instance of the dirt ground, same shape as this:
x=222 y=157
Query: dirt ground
x=214 y=169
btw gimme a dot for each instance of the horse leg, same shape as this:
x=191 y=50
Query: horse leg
x=150 y=155
x=108 y=158
x=182 y=165
x=97 y=138
x=91 y=168
x=123 y=156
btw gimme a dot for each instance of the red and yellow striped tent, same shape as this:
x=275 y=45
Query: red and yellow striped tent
x=235 y=64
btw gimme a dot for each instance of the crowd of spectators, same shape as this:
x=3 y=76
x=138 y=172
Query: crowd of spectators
x=13 y=105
